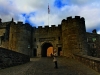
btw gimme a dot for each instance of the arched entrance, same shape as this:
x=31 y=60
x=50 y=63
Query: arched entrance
x=45 y=49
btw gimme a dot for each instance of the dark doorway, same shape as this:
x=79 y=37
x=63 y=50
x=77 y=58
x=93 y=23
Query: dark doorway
x=59 y=50
x=34 y=52
x=44 y=48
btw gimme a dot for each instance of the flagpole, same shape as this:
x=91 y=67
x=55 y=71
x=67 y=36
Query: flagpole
x=48 y=13
x=48 y=18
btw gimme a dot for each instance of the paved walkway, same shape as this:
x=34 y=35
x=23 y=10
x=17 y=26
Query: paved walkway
x=45 y=66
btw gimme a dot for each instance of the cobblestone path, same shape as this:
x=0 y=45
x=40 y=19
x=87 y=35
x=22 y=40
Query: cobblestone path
x=45 y=66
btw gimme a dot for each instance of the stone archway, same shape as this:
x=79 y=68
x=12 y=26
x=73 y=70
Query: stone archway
x=44 y=48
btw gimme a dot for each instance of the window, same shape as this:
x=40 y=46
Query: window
x=28 y=46
x=94 y=39
x=87 y=39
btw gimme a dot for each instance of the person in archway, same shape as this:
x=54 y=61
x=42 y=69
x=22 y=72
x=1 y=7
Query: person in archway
x=55 y=59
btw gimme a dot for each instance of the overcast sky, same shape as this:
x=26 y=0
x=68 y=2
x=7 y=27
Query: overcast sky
x=35 y=12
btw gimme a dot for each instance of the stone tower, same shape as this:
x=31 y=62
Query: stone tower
x=20 y=36
x=74 y=36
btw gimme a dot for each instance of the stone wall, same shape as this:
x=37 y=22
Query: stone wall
x=70 y=37
x=93 y=40
x=10 y=58
x=89 y=61
x=20 y=38
x=74 y=36
x=46 y=34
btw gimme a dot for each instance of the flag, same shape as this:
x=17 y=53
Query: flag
x=48 y=9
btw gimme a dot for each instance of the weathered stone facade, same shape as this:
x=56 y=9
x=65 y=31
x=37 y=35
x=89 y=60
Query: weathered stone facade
x=74 y=36
x=68 y=38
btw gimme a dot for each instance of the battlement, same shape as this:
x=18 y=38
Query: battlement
x=94 y=31
x=82 y=19
x=63 y=20
x=59 y=25
x=39 y=27
x=20 y=23
x=76 y=17
x=46 y=27
x=53 y=26
x=27 y=24
x=69 y=18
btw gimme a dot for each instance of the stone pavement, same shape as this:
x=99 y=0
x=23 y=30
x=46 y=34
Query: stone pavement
x=45 y=66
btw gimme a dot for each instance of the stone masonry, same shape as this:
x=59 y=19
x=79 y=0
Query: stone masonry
x=68 y=38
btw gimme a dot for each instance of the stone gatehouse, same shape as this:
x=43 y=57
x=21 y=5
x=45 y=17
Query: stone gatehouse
x=68 y=38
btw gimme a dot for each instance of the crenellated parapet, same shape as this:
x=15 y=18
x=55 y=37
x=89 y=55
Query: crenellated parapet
x=39 y=27
x=70 y=22
x=70 y=19
x=20 y=23
x=20 y=26
x=76 y=17
x=47 y=28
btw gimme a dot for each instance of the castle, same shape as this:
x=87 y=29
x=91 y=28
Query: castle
x=68 y=38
